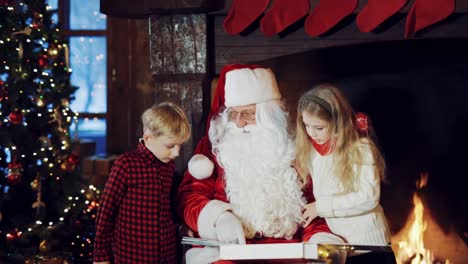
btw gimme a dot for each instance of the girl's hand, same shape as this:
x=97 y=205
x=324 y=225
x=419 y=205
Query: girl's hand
x=309 y=213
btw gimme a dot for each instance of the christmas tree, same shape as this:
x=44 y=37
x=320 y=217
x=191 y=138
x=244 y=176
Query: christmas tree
x=46 y=211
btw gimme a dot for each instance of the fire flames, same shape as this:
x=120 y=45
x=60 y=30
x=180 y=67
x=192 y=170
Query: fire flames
x=410 y=247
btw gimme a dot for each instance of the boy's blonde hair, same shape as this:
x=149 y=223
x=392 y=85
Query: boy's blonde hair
x=328 y=103
x=166 y=119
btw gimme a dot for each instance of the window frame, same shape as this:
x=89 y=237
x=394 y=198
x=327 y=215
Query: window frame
x=64 y=20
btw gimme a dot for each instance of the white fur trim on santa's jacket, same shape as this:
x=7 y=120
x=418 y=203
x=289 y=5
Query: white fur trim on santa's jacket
x=250 y=86
x=200 y=167
x=208 y=216
x=202 y=255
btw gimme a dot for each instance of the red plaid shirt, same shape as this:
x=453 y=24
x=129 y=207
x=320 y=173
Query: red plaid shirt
x=134 y=222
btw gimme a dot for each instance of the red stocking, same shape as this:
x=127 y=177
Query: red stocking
x=242 y=14
x=327 y=14
x=283 y=14
x=424 y=13
x=376 y=12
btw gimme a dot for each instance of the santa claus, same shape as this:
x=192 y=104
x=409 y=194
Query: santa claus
x=241 y=185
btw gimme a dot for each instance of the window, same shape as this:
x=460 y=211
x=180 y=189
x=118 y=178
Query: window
x=86 y=30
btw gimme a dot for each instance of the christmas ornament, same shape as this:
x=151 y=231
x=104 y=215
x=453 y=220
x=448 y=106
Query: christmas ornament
x=15 y=171
x=73 y=159
x=40 y=102
x=38 y=203
x=38 y=20
x=376 y=12
x=44 y=246
x=283 y=14
x=327 y=14
x=90 y=195
x=362 y=122
x=43 y=60
x=70 y=163
x=424 y=13
x=16 y=117
x=242 y=14
x=36 y=25
x=13 y=234
x=35 y=185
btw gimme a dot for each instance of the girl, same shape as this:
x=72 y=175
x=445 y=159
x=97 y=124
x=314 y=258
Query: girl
x=344 y=165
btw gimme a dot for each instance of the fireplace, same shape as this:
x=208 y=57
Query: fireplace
x=415 y=93
x=414 y=90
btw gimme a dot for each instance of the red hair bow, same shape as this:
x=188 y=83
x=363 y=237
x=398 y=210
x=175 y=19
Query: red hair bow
x=362 y=122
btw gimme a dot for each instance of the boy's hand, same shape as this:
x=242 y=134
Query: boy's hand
x=229 y=229
x=309 y=213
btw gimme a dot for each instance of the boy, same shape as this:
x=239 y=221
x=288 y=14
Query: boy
x=134 y=222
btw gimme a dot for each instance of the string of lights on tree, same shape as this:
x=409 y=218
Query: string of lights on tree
x=43 y=202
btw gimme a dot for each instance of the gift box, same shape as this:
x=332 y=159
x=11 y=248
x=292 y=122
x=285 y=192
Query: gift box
x=96 y=169
x=84 y=147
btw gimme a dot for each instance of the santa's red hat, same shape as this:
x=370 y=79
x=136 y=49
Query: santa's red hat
x=238 y=85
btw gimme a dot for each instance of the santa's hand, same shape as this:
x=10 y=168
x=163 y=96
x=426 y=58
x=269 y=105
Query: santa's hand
x=309 y=213
x=229 y=229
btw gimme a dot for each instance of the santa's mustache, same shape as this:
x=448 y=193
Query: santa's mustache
x=232 y=128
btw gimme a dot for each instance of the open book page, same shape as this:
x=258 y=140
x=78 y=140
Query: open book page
x=195 y=241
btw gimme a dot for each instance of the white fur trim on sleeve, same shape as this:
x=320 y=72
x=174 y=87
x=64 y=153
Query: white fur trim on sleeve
x=200 y=167
x=325 y=238
x=202 y=255
x=208 y=216
x=325 y=207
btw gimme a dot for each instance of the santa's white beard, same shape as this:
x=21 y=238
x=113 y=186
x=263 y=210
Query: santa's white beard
x=261 y=185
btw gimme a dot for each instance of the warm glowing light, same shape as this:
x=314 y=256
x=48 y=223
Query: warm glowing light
x=410 y=245
x=412 y=248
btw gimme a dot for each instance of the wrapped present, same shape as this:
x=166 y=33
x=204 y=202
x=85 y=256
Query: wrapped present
x=96 y=169
x=84 y=147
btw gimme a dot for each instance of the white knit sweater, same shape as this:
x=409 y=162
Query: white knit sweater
x=356 y=216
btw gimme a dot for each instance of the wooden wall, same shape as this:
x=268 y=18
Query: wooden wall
x=130 y=82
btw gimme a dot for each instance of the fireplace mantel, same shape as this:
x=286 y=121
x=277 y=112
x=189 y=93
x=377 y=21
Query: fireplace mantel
x=145 y=8
x=252 y=45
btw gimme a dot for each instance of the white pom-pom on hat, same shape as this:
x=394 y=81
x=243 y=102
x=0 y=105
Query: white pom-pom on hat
x=200 y=167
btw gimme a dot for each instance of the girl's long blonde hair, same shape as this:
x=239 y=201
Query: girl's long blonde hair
x=344 y=136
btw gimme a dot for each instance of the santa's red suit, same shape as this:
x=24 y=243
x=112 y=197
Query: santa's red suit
x=255 y=181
